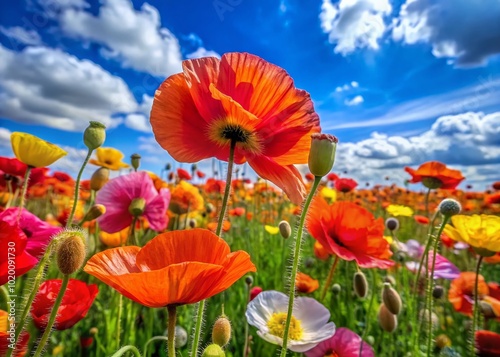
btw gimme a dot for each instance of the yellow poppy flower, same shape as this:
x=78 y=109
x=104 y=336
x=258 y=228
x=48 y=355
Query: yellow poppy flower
x=185 y=198
x=399 y=210
x=109 y=158
x=389 y=239
x=479 y=231
x=329 y=193
x=33 y=151
x=271 y=229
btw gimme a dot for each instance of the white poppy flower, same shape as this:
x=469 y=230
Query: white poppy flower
x=309 y=325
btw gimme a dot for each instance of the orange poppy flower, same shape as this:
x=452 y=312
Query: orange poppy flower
x=351 y=232
x=305 y=284
x=240 y=99
x=226 y=225
x=461 y=292
x=421 y=219
x=434 y=174
x=114 y=239
x=174 y=268
x=487 y=343
x=320 y=252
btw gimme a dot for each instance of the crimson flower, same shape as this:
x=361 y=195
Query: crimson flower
x=345 y=184
x=76 y=302
x=183 y=174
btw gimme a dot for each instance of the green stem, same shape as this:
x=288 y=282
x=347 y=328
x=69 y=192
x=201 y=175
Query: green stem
x=172 y=314
x=427 y=202
x=124 y=349
x=430 y=283
x=367 y=321
x=52 y=317
x=295 y=266
x=23 y=192
x=329 y=278
x=77 y=189
x=118 y=321
x=475 y=313
x=152 y=339
x=426 y=251
x=197 y=331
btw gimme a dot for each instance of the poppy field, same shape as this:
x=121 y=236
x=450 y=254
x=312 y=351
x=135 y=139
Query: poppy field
x=296 y=259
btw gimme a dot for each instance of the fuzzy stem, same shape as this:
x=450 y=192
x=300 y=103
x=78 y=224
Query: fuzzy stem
x=430 y=283
x=427 y=194
x=124 y=349
x=329 y=278
x=197 y=331
x=77 y=189
x=118 y=321
x=426 y=252
x=23 y=192
x=475 y=313
x=52 y=317
x=172 y=314
x=295 y=266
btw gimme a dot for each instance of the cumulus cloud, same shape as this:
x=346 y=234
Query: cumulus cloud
x=347 y=87
x=134 y=37
x=140 y=119
x=468 y=141
x=202 y=52
x=49 y=87
x=468 y=31
x=21 y=35
x=354 y=101
x=352 y=24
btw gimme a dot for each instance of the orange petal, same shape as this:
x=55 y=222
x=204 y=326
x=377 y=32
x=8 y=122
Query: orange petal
x=177 y=125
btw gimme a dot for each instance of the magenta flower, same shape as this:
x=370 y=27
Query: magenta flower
x=38 y=232
x=443 y=268
x=118 y=194
x=345 y=343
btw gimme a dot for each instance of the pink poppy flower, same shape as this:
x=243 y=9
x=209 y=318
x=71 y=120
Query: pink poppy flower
x=118 y=194
x=443 y=269
x=345 y=343
x=38 y=232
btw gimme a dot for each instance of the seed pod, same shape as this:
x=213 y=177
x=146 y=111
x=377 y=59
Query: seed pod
x=285 y=229
x=336 y=289
x=387 y=320
x=449 y=207
x=392 y=223
x=181 y=337
x=486 y=309
x=213 y=350
x=360 y=284
x=99 y=178
x=390 y=279
x=249 y=280
x=71 y=252
x=391 y=299
x=94 y=135
x=135 y=161
x=438 y=292
x=221 y=331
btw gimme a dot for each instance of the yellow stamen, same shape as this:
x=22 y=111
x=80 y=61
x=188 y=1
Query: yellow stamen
x=276 y=325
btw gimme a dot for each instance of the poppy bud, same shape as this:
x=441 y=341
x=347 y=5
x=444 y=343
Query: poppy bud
x=210 y=208
x=221 y=331
x=309 y=262
x=70 y=251
x=322 y=153
x=438 y=292
x=391 y=299
x=168 y=167
x=392 y=223
x=249 y=280
x=387 y=320
x=443 y=341
x=94 y=135
x=360 y=284
x=336 y=289
x=181 y=337
x=370 y=339
x=390 y=279
x=136 y=207
x=93 y=331
x=449 y=207
x=135 y=161
x=192 y=223
x=487 y=309
x=94 y=212
x=213 y=350
x=285 y=229
x=99 y=178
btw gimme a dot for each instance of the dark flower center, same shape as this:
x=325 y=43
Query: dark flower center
x=27 y=232
x=235 y=133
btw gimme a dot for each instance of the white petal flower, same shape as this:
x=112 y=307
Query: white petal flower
x=267 y=312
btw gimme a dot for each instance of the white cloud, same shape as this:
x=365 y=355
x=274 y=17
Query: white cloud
x=354 y=101
x=5 y=137
x=134 y=37
x=138 y=122
x=353 y=24
x=21 y=35
x=354 y=84
x=466 y=30
x=49 y=87
x=202 y=52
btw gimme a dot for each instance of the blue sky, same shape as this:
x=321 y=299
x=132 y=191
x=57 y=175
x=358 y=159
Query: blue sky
x=398 y=82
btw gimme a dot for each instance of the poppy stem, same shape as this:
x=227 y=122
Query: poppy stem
x=426 y=251
x=475 y=312
x=427 y=202
x=329 y=278
x=77 y=189
x=296 y=258
x=52 y=317
x=23 y=192
x=227 y=189
x=172 y=315
x=197 y=331
x=430 y=283
x=119 y=320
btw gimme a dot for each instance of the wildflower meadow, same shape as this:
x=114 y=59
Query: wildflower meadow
x=297 y=259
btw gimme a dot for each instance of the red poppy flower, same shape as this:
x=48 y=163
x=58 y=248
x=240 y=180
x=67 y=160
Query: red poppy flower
x=345 y=184
x=5 y=335
x=12 y=247
x=320 y=252
x=421 y=219
x=305 y=284
x=331 y=176
x=494 y=198
x=256 y=290
x=77 y=300
x=461 y=292
x=174 y=268
x=309 y=177
x=183 y=174
x=239 y=99
x=434 y=174
x=200 y=174
x=349 y=231
x=487 y=343
x=238 y=211
x=214 y=186
x=62 y=176
x=496 y=185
